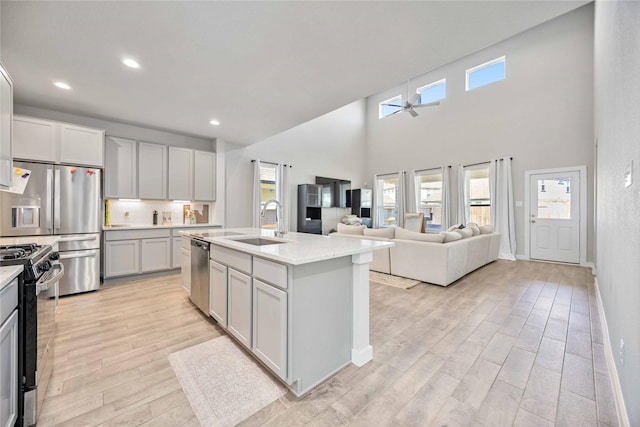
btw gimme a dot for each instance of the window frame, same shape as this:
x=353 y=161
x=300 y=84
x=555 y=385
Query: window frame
x=467 y=190
x=389 y=101
x=271 y=210
x=487 y=64
x=418 y=186
x=379 y=197
x=429 y=86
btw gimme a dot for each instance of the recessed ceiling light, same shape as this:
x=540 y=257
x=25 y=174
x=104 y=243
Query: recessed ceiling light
x=62 y=85
x=130 y=63
x=214 y=122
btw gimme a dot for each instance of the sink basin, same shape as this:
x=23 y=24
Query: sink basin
x=260 y=241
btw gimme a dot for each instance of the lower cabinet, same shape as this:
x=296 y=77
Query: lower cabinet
x=218 y=292
x=177 y=252
x=9 y=371
x=155 y=254
x=270 y=326
x=186 y=269
x=121 y=258
x=239 y=304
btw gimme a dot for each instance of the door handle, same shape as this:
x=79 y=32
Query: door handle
x=48 y=199
x=56 y=201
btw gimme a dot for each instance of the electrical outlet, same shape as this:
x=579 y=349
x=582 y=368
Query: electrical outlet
x=621 y=352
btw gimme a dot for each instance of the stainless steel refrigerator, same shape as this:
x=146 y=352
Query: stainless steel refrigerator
x=65 y=201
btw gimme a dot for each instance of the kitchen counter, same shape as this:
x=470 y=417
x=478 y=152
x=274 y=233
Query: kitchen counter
x=151 y=226
x=38 y=240
x=300 y=248
x=7 y=274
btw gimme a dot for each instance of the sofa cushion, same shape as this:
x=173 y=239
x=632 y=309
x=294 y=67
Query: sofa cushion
x=486 y=229
x=474 y=227
x=464 y=232
x=388 y=233
x=351 y=229
x=403 y=234
x=450 y=236
x=455 y=227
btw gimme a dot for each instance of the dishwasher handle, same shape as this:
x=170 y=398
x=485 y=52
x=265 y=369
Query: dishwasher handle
x=199 y=244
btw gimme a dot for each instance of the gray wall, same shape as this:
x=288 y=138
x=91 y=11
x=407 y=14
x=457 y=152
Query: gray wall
x=332 y=145
x=541 y=115
x=120 y=129
x=617 y=113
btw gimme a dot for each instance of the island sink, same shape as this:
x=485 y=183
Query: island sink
x=259 y=241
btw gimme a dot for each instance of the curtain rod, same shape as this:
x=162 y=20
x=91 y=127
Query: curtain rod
x=482 y=163
x=431 y=169
x=271 y=163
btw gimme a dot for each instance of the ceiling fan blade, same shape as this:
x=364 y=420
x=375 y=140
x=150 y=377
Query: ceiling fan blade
x=431 y=104
x=395 y=112
x=412 y=112
x=393 y=105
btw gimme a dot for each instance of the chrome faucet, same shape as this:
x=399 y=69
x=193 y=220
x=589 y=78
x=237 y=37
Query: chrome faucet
x=281 y=231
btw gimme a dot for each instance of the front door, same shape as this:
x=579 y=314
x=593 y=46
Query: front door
x=554 y=216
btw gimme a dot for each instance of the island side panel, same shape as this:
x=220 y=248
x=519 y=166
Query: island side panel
x=321 y=321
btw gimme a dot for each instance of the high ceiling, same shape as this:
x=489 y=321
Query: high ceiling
x=258 y=67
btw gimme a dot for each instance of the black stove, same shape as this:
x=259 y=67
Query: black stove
x=36 y=259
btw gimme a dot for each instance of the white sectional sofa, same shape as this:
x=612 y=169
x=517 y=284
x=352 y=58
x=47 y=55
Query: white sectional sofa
x=428 y=261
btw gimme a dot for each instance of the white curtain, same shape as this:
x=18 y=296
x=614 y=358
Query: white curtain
x=283 y=194
x=492 y=191
x=256 y=194
x=400 y=199
x=376 y=197
x=463 y=208
x=446 y=201
x=413 y=197
x=504 y=221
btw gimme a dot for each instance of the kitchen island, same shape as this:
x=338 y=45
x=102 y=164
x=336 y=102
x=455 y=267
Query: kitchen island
x=299 y=303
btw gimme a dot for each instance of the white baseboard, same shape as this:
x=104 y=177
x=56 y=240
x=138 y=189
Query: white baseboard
x=621 y=409
x=520 y=256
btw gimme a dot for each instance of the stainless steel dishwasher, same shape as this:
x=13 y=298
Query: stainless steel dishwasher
x=200 y=274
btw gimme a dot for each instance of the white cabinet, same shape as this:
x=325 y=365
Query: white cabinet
x=81 y=145
x=46 y=140
x=239 y=305
x=218 y=292
x=155 y=254
x=204 y=180
x=6 y=125
x=9 y=370
x=186 y=270
x=176 y=257
x=121 y=258
x=34 y=139
x=152 y=171
x=180 y=173
x=270 y=326
x=120 y=168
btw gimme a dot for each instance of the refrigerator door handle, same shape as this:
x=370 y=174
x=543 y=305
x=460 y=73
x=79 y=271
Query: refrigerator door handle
x=78 y=238
x=56 y=201
x=82 y=254
x=48 y=198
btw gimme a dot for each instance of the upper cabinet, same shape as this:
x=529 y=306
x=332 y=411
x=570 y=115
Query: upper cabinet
x=204 y=176
x=180 y=173
x=6 y=124
x=152 y=171
x=46 y=140
x=120 y=177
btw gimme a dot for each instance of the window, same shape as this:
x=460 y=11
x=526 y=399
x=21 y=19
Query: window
x=387 y=199
x=268 y=180
x=484 y=74
x=478 y=194
x=385 y=110
x=432 y=92
x=429 y=191
x=554 y=198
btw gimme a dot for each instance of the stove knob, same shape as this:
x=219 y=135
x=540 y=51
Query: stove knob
x=54 y=256
x=45 y=266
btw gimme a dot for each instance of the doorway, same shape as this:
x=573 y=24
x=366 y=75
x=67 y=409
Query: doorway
x=555 y=215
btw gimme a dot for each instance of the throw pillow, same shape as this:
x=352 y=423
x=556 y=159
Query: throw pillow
x=474 y=227
x=450 y=236
x=455 y=227
x=351 y=229
x=387 y=233
x=486 y=229
x=464 y=232
x=403 y=234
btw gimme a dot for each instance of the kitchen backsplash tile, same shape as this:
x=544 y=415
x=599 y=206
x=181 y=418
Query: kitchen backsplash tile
x=142 y=212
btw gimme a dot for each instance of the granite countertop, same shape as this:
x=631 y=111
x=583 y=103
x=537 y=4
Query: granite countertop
x=38 y=240
x=7 y=274
x=151 y=226
x=300 y=248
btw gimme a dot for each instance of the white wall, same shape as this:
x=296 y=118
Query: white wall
x=332 y=145
x=617 y=113
x=541 y=115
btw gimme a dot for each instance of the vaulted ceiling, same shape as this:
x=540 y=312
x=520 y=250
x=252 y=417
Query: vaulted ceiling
x=258 y=67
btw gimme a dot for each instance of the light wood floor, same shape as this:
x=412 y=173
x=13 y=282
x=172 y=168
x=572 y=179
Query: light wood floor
x=514 y=343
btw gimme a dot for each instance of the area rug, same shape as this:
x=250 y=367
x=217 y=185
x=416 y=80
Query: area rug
x=395 y=281
x=223 y=384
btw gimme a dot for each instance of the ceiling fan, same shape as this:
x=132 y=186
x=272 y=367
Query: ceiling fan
x=410 y=107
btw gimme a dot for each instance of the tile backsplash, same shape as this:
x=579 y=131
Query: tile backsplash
x=142 y=212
